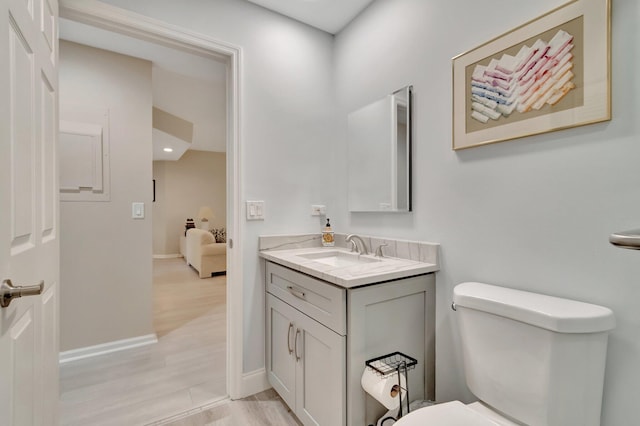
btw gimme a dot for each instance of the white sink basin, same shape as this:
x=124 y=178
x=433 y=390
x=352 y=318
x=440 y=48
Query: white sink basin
x=338 y=258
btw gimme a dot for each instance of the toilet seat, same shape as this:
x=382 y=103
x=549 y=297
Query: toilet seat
x=453 y=413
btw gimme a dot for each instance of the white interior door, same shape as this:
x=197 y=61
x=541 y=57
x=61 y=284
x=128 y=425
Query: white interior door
x=29 y=246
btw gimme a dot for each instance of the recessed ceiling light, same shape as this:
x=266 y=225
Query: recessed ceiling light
x=168 y=149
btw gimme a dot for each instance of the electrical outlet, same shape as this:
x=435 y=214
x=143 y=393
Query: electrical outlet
x=318 y=210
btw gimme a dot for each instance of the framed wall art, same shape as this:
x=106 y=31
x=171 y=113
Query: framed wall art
x=549 y=74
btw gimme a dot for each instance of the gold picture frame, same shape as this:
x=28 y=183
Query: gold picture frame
x=549 y=74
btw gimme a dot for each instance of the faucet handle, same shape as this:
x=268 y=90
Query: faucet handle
x=379 y=250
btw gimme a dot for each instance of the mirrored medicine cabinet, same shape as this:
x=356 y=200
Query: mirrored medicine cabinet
x=379 y=155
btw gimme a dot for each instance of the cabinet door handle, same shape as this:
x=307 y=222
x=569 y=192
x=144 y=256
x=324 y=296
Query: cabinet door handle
x=295 y=345
x=289 y=338
x=297 y=293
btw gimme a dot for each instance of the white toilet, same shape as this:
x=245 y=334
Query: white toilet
x=530 y=359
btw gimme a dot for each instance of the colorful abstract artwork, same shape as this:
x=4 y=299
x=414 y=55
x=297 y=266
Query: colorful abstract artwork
x=539 y=74
x=549 y=74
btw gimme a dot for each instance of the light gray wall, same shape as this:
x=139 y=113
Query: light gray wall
x=534 y=213
x=105 y=254
x=182 y=187
x=287 y=127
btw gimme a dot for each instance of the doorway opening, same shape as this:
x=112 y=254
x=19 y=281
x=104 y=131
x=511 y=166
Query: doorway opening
x=126 y=23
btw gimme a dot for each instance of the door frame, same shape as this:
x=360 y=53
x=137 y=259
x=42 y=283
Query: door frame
x=101 y=15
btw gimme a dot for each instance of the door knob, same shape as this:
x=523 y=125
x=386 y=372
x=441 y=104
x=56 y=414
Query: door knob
x=8 y=291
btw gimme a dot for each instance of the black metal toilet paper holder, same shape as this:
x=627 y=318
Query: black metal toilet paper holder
x=395 y=362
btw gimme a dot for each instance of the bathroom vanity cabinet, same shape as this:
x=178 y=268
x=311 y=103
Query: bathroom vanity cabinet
x=307 y=364
x=319 y=335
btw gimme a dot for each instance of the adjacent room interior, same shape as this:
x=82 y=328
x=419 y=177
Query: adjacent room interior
x=164 y=350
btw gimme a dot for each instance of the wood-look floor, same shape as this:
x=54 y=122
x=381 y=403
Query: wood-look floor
x=183 y=371
x=263 y=409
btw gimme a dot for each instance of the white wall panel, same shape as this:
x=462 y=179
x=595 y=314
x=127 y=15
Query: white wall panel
x=533 y=213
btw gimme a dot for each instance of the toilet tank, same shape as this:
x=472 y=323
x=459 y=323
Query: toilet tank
x=538 y=359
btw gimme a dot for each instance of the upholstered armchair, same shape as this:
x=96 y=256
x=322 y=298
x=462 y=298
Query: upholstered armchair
x=204 y=253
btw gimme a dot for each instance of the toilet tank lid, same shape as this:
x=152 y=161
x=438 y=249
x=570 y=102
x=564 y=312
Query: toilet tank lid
x=549 y=312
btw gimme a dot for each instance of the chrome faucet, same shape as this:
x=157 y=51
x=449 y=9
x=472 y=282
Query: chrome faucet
x=353 y=239
x=379 y=252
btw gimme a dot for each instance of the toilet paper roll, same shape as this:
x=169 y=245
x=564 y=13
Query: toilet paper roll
x=384 y=388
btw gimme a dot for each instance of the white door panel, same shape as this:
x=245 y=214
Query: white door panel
x=22 y=140
x=49 y=170
x=321 y=374
x=281 y=358
x=29 y=247
x=22 y=342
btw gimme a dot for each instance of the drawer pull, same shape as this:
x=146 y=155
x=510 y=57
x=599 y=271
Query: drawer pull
x=289 y=338
x=297 y=293
x=295 y=345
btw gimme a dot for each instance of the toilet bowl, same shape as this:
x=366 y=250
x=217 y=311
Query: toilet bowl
x=529 y=358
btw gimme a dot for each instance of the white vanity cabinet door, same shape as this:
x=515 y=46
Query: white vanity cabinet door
x=306 y=365
x=320 y=375
x=281 y=367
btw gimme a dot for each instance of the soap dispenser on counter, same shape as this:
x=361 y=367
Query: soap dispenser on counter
x=327 y=236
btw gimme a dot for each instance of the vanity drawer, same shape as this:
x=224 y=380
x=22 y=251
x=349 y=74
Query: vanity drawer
x=321 y=301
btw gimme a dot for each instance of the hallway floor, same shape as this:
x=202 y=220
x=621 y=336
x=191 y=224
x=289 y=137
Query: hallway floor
x=183 y=371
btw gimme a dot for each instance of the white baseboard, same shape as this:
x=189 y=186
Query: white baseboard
x=109 y=347
x=166 y=256
x=254 y=382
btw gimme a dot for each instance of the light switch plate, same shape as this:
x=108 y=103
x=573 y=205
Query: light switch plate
x=255 y=210
x=137 y=210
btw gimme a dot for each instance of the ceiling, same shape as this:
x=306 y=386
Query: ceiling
x=328 y=15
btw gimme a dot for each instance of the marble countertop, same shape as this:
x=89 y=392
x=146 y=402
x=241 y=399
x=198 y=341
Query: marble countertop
x=383 y=269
